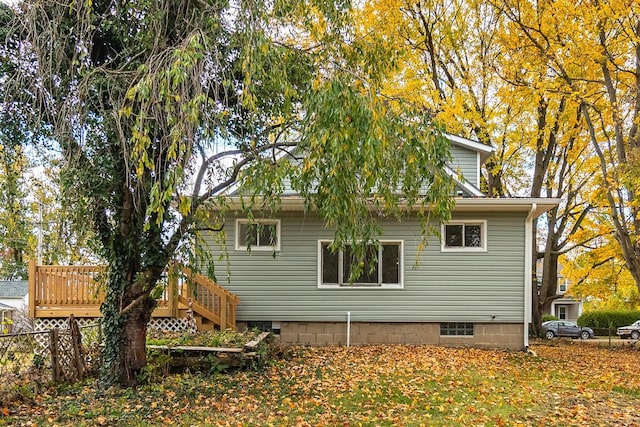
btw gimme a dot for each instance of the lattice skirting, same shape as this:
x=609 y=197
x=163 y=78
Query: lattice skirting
x=48 y=324
x=168 y=324
x=165 y=324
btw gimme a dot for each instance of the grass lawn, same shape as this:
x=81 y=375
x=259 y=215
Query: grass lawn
x=566 y=384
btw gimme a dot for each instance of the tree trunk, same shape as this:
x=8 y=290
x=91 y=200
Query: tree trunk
x=536 y=318
x=133 y=353
x=126 y=313
x=549 y=284
x=543 y=296
x=541 y=299
x=545 y=152
x=631 y=257
x=495 y=187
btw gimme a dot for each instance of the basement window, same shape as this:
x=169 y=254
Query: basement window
x=456 y=329
x=264 y=326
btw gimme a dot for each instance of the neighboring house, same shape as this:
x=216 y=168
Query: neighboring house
x=566 y=307
x=472 y=288
x=13 y=298
x=14 y=293
x=6 y=318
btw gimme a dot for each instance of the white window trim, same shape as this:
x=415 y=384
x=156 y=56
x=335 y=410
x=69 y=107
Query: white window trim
x=275 y=222
x=481 y=248
x=362 y=286
x=565 y=283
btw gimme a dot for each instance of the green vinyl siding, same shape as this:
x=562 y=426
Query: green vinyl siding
x=438 y=286
x=466 y=162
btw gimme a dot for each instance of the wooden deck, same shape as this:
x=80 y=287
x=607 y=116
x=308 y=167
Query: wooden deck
x=59 y=291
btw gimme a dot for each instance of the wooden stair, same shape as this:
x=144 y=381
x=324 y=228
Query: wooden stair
x=214 y=307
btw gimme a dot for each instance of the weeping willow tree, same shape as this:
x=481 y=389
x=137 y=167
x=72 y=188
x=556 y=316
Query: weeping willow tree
x=158 y=107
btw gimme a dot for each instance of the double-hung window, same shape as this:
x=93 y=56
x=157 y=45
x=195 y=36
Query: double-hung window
x=464 y=236
x=258 y=234
x=383 y=266
x=562 y=287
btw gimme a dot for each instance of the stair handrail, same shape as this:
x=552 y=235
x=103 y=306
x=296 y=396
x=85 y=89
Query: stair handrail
x=223 y=313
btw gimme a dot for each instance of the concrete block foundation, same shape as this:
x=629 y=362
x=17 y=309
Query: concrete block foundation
x=485 y=335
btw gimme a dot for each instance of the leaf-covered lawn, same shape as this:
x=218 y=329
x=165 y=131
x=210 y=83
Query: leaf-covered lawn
x=566 y=385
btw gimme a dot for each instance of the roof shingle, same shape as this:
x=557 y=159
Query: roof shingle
x=13 y=288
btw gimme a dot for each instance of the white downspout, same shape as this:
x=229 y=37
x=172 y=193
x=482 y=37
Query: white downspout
x=528 y=269
x=348 y=328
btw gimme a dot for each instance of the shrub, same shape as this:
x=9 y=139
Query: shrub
x=5 y=326
x=609 y=318
x=547 y=317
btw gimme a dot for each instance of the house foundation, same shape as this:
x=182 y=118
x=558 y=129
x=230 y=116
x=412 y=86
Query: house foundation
x=485 y=335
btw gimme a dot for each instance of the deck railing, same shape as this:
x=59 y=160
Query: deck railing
x=59 y=291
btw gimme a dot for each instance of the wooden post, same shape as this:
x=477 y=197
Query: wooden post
x=76 y=343
x=53 y=349
x=223 y=311
x=31 y=296
x=172 y=279
x=232 y=315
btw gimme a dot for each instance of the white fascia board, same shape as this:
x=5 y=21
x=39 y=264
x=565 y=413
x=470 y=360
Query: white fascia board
x=466 y=185
x=534 y=206
x=484 y=150
x=525 y=204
